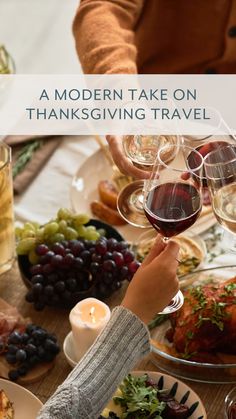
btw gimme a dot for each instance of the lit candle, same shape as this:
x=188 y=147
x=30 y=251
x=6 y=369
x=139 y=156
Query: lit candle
x=87 y=320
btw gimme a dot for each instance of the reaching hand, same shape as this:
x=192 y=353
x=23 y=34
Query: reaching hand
x=155 y=283
x=122 y=162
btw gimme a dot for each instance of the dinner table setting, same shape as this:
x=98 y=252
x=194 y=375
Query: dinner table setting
x=73 y=232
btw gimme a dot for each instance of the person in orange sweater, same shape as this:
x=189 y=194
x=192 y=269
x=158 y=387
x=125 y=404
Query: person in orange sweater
x=155 y=36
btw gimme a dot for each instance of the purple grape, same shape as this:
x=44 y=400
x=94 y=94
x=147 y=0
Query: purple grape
x=21 y=355
x=41 y=249
x=109 y=265
x=96 y=258
x=111 y=244
x=133 y=266
x=94 y=268
x=30 y=349
x=58 y=249
x=128 y=256
x=57 y=260
x=36 y=269
x=47 y=257
x=12 y=349
x=52 y=278
x=69 y=259
x=78 y=263
x=124 y=272
x=86 y=256
x=29 y=297
x=48 y=269
x=60 y=286
x=49 y=290
x=11 y=359
x=13 y=375
x=37 y=279
x=71 y=284
x=66 y=296
x=64 y=243
x=118 y=258
x=107 y=278
x=76 y=247
x=101 y=247
x=108 y=255
x=37 y=289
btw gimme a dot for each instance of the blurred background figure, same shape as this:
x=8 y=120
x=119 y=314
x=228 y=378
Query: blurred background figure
x=156 y=36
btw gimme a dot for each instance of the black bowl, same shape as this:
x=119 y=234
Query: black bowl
x=24 y=264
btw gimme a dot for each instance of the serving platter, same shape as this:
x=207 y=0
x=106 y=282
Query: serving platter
x=25 y=404
x=84 y=191
x=166 y=357
x=179 y=390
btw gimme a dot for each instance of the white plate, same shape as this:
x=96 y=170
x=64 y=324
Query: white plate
x=84 y=190
x=179 y=390
x=26 y=405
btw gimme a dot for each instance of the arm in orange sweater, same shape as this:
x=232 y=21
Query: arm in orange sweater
x=104 y=34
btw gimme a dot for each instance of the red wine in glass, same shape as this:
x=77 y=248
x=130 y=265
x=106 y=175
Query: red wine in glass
x=173 y=207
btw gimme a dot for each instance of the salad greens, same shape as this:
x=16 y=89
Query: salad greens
x=139 y=400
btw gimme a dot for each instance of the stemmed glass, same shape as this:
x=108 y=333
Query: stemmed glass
x=172 y=199
x=142 y=151
x=220 y=172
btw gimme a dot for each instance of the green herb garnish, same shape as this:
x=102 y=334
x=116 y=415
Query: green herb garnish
x=139 y=400
x=157 y=320
x=25 y=156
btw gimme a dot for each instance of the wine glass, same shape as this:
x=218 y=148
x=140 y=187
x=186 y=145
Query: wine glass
x=142 y=151
x=230 y=404
x=172 y=199
x=220 y=171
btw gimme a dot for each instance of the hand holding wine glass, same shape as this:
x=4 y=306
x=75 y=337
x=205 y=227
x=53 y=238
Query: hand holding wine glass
x=172 y=199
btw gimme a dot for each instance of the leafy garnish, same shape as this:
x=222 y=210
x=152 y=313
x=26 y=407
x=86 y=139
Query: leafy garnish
x=139 y=400
x=157 y=320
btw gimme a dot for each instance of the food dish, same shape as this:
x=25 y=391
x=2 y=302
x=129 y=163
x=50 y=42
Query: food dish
x=84 y=191
x=163 y=355
x=192 y=253
x=26 y=405
x=6 y=406
x=181 y=392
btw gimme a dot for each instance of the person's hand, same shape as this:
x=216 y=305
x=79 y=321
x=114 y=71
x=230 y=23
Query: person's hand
x=155 y=283
x=123 y=162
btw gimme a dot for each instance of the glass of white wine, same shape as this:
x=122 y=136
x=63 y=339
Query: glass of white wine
x=142 y=151
x=7 y=236
x=220 y=171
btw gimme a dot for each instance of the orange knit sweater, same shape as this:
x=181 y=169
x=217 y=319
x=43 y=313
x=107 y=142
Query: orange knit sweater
x=156 y=36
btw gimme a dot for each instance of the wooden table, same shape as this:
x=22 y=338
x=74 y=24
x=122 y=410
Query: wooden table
x=13 y=291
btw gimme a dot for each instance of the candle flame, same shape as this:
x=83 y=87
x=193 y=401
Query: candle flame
x=92 y=311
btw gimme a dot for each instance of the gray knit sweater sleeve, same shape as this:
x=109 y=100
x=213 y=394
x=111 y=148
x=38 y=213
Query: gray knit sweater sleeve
x=91 y=384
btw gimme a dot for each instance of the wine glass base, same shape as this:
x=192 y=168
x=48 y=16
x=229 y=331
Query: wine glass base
x=130 y=204
x=175 y=304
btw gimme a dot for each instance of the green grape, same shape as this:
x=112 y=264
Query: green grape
x=28 y=233
x=51 y=228
x=29 y=226
x=102 y=232
x=18 y=232
x=91 y=228
x=33 y=258
x=64 y=214
x=71 y=233
x=80 y=219
x=81 y=230
x=58 y=237
x=92 y=235
x=62 y=226
x=35 y=224
x=40 y=234
x=25 y=245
